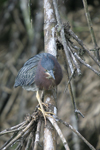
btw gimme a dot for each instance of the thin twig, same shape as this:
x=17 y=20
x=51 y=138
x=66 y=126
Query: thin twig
x=83 y=46
x=12 y=129
x=91 y=29
x=19 y=135
x=69 y=78
x=66 y=48
x=29 y=142
x=5 y=144
x=75 y=131
x=80 y=50
x=71 y=92
x=18 y=147
x=75 y=61
x=87 y=65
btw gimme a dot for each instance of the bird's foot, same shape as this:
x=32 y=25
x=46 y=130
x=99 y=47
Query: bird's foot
x=46 y=114
x=46 y=105
x=41 y=107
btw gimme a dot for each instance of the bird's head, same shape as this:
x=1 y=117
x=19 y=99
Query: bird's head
x=48 y=64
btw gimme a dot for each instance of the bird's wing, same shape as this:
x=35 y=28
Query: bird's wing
x=25 y=77
x=34 y=60
x=26 y=74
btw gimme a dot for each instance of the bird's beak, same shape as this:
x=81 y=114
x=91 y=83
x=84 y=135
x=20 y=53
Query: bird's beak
x=50 y=74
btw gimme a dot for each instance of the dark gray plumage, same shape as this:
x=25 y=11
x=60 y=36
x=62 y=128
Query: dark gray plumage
x=41 y=72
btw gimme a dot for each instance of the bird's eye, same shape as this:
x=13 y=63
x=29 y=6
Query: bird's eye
x=46 y=70
x=53 y=70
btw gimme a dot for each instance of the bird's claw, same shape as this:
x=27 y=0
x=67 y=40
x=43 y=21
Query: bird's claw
x=41 y=107
x=46 y=114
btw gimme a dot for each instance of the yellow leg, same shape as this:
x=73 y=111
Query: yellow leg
x=46 y=114
x=41 y=107
x=40 y=103
x=46 y=105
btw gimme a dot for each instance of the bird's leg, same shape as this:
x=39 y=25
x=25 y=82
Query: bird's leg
x=41 y=107
x=46 y=105
x=40 y=103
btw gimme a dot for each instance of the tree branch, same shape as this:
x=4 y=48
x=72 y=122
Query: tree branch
x=91 y=29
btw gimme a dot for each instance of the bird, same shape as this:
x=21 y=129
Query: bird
x=40 y=72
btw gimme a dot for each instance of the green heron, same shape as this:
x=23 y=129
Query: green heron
x=41 y=72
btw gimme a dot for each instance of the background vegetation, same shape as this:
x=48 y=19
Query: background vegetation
x=20 y=40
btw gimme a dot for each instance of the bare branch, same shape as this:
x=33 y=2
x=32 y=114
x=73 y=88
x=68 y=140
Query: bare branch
x=71 y=92
x=59 y=133
x=75 y=131
x=66 y=48
x=37 y=136
x=83 y=46
x=50 y=47
x=29 y=142
x=91 y=29
x=87 y=65
x=13 y=129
